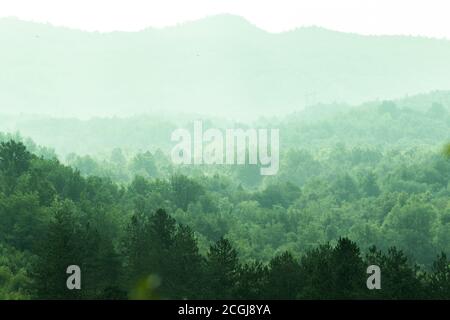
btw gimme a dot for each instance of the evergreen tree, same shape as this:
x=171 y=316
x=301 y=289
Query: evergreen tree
x=222 y=270
x=348 y=271
x=253 y=281
x=399 y=279
x=60 y=248
x=283 y=277
x=186 y=266
x=439 y=279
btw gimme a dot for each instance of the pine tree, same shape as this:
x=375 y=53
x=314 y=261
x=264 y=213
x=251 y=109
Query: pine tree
x=439 y=279
x=187 y=265
x=348 y=276
x=399 y=279
x=60 y=248
x=222 y=270
x=284 y=277
x=253 y=281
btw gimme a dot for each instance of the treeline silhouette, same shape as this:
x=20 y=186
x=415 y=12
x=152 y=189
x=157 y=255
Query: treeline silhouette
x=160 y=259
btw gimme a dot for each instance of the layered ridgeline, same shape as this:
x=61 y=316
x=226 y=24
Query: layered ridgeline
x=415 y=121
x=219 y=65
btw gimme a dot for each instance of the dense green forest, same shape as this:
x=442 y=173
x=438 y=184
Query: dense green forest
x=361 y=186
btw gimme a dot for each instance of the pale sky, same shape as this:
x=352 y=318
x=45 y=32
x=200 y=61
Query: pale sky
x=408 y=17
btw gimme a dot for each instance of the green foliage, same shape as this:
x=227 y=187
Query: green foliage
x=14 y=273
x=447 y=150
x=232 y=233
x=439 y=279
x=222 y=267
x=156 y=245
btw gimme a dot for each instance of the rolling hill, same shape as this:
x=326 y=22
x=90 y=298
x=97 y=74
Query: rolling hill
x=220 y=65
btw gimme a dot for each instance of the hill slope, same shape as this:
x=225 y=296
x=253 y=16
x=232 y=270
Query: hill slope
x=219 y=65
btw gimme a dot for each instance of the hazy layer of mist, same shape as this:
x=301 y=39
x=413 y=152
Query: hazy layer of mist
x=221 y=66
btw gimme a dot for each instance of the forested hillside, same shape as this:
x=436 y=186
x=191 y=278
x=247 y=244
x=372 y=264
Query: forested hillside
x=420 y=120
x=362 y=186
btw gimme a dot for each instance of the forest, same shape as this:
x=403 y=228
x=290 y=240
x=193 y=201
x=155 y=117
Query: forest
x=366 y=185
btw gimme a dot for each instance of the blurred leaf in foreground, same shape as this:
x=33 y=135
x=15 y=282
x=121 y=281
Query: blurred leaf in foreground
x=447 y=150
x=146 y=289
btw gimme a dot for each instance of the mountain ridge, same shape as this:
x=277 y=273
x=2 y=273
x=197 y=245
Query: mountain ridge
x=221 y=65
x=235 y=17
